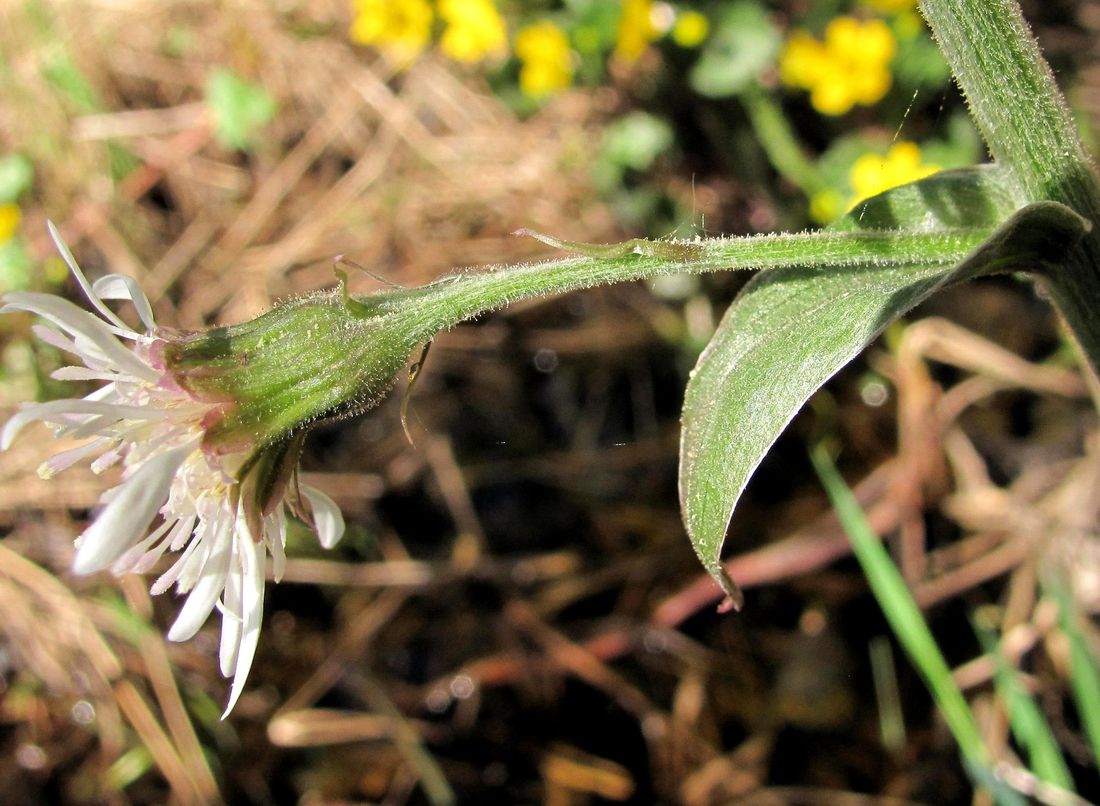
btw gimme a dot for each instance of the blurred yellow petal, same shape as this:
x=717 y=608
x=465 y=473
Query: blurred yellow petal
x=10 y=216
x=802 y=61
x=849 y=66
x=690 y=29
x=843 y=36
x=474 y=31
x=401 y=30
x=832 y=97
x=546 y=59
x=876 y=44
x=636 y=30
x=870 y=86
x=826 y=206
x=872 y=174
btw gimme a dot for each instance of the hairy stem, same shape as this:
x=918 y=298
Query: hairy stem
x=1027 y=126
x=454 y=299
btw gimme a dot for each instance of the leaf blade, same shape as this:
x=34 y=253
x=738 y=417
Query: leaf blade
x=793 y=328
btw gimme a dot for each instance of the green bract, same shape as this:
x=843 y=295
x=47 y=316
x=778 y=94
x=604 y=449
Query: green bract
x=320 y=357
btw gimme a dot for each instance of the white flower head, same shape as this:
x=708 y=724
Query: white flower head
x=219 y=510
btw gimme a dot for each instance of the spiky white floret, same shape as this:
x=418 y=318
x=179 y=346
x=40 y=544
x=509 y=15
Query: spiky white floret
x=141 y=418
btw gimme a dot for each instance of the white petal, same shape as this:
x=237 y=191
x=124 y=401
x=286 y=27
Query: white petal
x=182 y=532
x=252 y=608
x=133 y=507
x=79 y=322
x=81 y=374
x=66 y=459
x=89 y=292
x=135 y=559
x=232 y=621
x=60 y=411
x=206 y=537
x=55 y=338
x=275 y=536
x=207 y=590
x=105 y=425
x=327 y=517
x=119 y=286
x=106 y=394
x=165 y=580
x=106 y=460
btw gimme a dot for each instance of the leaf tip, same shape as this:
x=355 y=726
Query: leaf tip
x=735 y=597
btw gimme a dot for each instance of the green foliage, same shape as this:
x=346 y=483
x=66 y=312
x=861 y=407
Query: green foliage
x=16 y=176
x=793 y=328
x=240 y=109
x=1084 y=672
x=901 y=611
x=15 y=265
x=743 y=45
x=1029 y=726
x=633 y=142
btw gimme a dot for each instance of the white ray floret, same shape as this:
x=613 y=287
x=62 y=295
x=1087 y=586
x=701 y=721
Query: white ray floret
x=174 y=496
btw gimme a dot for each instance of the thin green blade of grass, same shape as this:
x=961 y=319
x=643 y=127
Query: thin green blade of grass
x=1029 y=725
x=1083 y=672
x=884 y=674
x=909 y=626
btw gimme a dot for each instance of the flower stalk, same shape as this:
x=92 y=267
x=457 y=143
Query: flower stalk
x=446 y=302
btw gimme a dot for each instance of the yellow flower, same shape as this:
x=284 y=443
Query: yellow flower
x=850 y=66
x=10 y=216
x=871 y=174
x=826 y=206
x=546 y=58
x=636 y=30
x=474 y=30
x=401 y=29
x=690 y=29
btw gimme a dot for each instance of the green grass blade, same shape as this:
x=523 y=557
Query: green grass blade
x=1029 y=725
x=901 y=610
x=911 y=630
x=1084 y=673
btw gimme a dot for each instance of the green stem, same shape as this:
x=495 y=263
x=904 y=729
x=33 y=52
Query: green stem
x=1014 y=99
x=780 y=143
x=454 y=299
x=1027 y=126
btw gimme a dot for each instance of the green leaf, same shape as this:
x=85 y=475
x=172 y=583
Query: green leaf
x=65 y=75
x=635 y=141
x=16 y=176
x=1014 y=99
x=743 y=44
x=239 y=108
x=15 y=266
x=793 y=328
